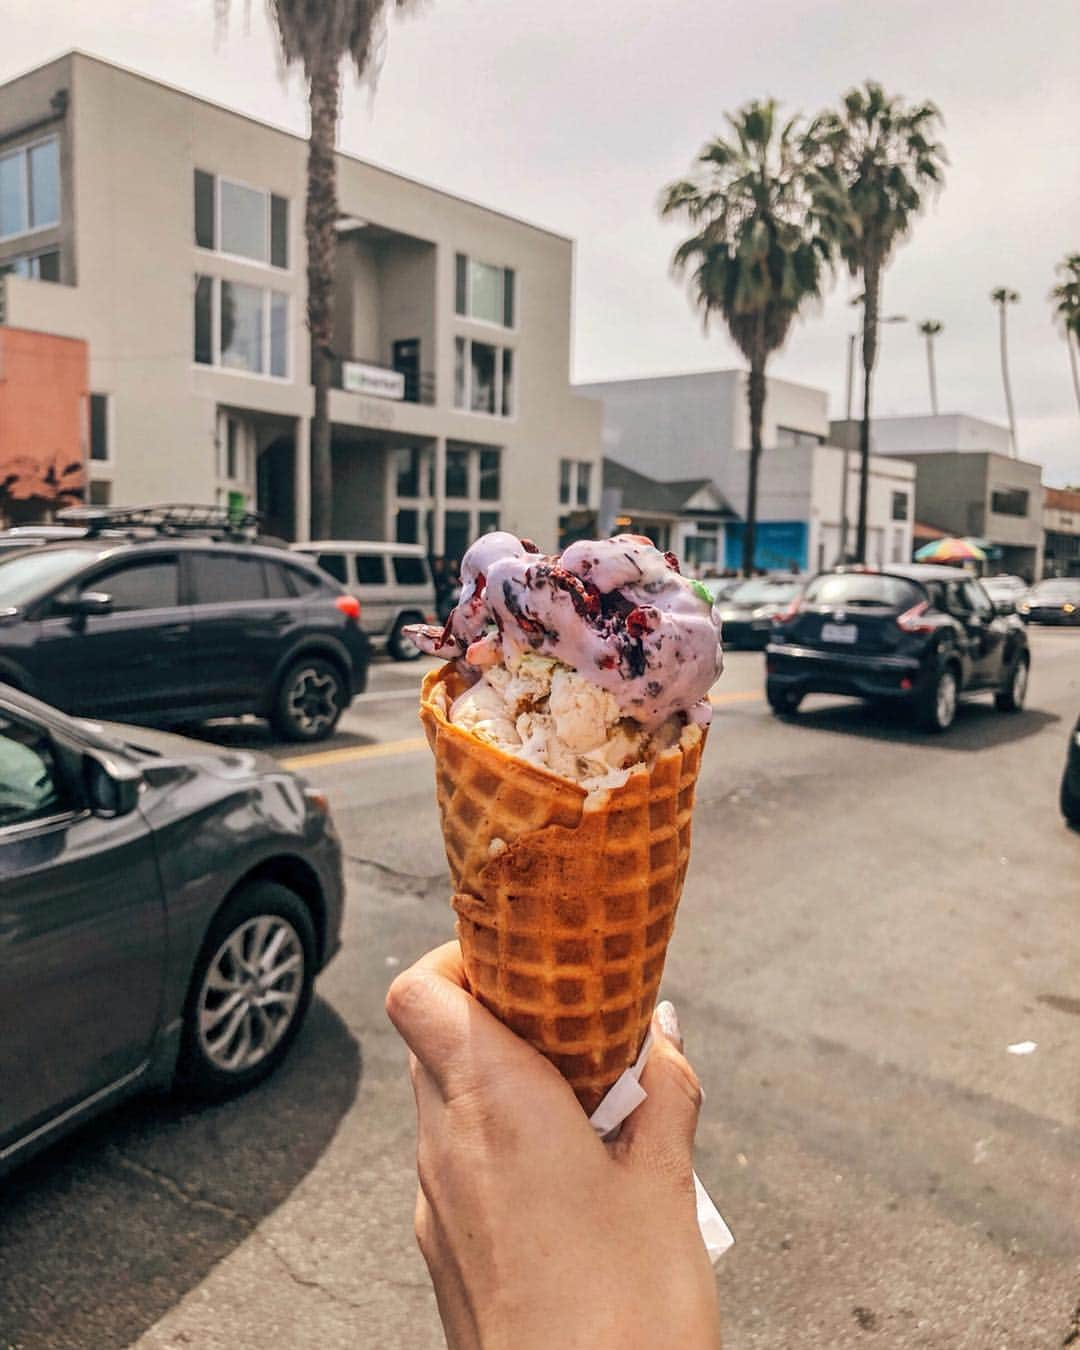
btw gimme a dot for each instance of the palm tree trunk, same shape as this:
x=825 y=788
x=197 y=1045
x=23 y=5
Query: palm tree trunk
x=871 y=289
x=756 y=400
x=1072 y=343
x=933 y=373
x=1005 y=380
x=321 y=216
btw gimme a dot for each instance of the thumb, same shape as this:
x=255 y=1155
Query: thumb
x=659 y=1135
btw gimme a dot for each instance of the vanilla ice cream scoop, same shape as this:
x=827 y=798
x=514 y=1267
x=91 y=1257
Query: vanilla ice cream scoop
x=618 y=611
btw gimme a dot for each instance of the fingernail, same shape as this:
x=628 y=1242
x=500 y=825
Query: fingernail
x=668 y=1021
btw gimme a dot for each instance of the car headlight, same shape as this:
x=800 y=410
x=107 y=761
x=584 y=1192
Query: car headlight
x=1068 y=607
x=763 y=612
x=1023 y=607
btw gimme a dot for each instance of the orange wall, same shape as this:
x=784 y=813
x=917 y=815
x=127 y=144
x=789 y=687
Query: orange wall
x=43 y=416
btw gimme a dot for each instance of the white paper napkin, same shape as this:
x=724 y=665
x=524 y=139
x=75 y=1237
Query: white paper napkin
x=624 y=1096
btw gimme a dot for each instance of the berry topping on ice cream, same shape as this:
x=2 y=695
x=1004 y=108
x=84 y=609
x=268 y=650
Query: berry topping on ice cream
x=616 y=612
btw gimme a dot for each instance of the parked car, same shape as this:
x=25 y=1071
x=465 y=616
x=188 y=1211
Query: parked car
x=163 y=629
x=748 y=612
x=1070 y=779
x=1005 y=591
x=392 y=582
x=1056 y=601
x=166 y=908
x=917 y=634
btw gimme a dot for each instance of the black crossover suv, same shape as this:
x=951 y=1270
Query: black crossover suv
x=919 y=634
x=164 y=628
x=165 y=906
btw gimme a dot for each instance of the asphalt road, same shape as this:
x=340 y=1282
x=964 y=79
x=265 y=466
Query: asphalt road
x=872 y=918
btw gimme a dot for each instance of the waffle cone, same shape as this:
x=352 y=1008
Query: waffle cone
x=565 y=900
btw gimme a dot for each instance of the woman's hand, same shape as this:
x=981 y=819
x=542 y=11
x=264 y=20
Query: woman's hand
x=538 y=1235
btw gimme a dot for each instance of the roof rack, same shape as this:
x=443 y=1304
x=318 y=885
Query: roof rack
x=166 y=518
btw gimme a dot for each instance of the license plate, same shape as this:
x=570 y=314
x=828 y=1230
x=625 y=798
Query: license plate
x=839 y=632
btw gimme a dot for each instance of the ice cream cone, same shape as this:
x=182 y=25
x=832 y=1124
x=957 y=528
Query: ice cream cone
x=565 y=899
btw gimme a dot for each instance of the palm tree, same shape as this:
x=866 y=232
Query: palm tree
x=1003 y=297
x=930 y=328
x=882 y=154
x=1066 y=298
x=319 y=35
x=756 y=254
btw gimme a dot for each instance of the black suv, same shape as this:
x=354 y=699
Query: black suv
x=919 y=634
x=179 y=622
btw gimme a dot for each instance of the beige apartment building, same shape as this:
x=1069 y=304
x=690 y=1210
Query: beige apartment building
x=167 y=233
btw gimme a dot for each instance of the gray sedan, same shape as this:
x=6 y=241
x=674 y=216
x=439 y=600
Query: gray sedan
x=165 y=906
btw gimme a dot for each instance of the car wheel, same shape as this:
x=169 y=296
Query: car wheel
x=310 y=700
x=1011 y=698
x=784 y=702
x=249 y=993
x=399 y=646
x=938 y=708
x=1070 y=802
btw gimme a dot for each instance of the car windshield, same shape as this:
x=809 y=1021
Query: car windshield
x=852 y=590
x=1002 y=585
x=763 y=589
x=1058 y=588
x=27 y=575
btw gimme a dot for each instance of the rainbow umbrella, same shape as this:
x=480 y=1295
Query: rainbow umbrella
x=949 y=551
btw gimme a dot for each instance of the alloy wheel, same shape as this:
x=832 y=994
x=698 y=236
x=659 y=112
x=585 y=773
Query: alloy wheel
x=313 y=700
x=250 y=993
x=945 y=703
x=1019 y=683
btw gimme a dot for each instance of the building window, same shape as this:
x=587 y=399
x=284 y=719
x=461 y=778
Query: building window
x=896 y=554
x=459 y=534
x=457 y=473
x=30 y=188
x=483 y=378
x=789 y=436
x=575 y=482
x=407 y=525
x=1009 y=502
x=899 y=509
x=489 y=476
x=236 y=450
x=486 y=521
x=242 y=221
x=407 y=472
x=99 y=427
x=100 y=492
x=241 y=327
x=35 y=266
x=483 y=291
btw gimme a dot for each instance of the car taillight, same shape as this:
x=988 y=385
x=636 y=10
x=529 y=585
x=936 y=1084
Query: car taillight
x=788 y=614
x=913 y=621
x=349 y=606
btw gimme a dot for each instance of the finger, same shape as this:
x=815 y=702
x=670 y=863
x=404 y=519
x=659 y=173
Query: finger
x=462 y=1046
x=659 y=1134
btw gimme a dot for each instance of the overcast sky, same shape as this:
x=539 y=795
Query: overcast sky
x=574 y=113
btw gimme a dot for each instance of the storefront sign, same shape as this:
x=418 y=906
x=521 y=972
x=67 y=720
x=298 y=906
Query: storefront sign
x=357 y=378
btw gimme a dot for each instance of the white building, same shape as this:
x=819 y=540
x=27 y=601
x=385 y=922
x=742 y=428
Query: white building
x=927 y=435
x=697 y=426
x=168 y=234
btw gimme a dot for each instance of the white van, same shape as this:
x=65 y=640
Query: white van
x=393 y=583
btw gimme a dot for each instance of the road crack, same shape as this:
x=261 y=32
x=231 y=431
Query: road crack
x=154 y=1176
x=400 y=882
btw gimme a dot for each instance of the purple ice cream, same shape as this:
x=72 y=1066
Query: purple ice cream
x=618 y=611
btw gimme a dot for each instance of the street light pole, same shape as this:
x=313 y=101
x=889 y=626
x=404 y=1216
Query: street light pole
x=850 y=389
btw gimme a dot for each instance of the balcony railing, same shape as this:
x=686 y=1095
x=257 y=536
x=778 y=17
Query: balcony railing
x=419 y=385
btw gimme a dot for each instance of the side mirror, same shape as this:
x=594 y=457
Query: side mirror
x=86 y=605
x=112 y=787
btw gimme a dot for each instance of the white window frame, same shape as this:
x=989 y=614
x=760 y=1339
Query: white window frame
x=218 y=252
x=468 y=316
x=498 y=349
x=215 y=362
x=576 y=466
x=472 y=504
x=246 y=446
x=24 y=151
